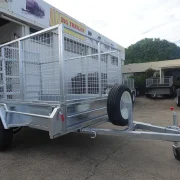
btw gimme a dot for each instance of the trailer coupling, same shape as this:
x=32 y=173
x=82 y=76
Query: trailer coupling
x=141 y=130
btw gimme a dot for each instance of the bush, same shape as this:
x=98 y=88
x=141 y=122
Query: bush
x=140 y=79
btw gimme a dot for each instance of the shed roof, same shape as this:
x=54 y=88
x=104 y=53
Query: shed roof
x=141 y=67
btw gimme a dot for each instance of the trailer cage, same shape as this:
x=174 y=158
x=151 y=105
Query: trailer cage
x=56 y=80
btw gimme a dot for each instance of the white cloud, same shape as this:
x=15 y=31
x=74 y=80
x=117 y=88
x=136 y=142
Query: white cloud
x=127 y=21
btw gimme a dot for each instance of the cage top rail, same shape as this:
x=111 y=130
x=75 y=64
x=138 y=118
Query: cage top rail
x=53 y=28
x=85 y=56
x=157 y=81
x=31 y=35
x=165 y=77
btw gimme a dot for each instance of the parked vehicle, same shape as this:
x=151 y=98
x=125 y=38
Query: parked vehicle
x=159 y=87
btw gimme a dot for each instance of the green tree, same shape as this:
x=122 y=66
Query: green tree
x=148 y=50
x=149 y=73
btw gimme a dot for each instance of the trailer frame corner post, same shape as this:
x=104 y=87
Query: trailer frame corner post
x=130 y=120
x=99 y=74
x=175 y=124
x=21 y=69
x=62 y=75
x=4 y=74
x=160 y=75
x=120 y=68
x=86 y=76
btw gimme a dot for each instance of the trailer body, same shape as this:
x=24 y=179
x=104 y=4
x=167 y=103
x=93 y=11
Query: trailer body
x=51 y=86
x=64 y=78
x=159 y=87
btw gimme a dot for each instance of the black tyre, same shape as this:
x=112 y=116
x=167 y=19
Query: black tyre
x=118 y=115
x=137 y=92
x=176 y=152
x=16 y=130
x=6 y=136
x=178 y=101
x=133 y=96
x=149 y=96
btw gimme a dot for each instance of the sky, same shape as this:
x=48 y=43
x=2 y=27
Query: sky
x=127 y=21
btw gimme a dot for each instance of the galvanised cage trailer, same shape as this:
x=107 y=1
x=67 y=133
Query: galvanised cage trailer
x=47 y=85
x=159 y=87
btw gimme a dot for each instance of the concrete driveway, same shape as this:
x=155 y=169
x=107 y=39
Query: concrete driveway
x=78 y=157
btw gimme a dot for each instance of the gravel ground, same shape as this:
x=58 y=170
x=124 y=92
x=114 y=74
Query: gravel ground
x=78 y=157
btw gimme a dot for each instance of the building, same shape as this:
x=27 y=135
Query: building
x=20 y=18
x=165 y=68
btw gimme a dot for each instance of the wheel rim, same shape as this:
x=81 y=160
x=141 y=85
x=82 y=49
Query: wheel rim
x=133 y=97
x=107 y=90
x=125 y=98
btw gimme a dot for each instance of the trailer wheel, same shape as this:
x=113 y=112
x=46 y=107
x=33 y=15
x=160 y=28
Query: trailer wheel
x=6 y=136
x=137 y=92
x=178 y=101
x=176 y=152
x=148 y=96
x=133 y=96
x=16 y=130
x=119 y=115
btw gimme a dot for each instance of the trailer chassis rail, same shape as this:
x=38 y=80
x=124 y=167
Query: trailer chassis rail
x=157 y=133
x=141 y=130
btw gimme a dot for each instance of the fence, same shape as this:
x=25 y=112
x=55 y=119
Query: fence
x=57 y=65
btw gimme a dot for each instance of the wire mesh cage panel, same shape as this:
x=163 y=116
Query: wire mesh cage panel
x=57 y=64
x=9 y=72
x=90 y=67
x=109 y=71
x=41 y=67
x=29 y=68
x=81 y=67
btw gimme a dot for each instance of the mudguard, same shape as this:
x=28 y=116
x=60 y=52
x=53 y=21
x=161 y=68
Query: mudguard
x=3 y=117
x=178 y=92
